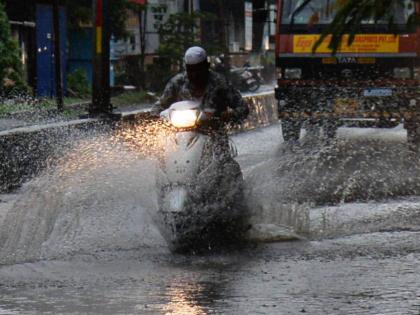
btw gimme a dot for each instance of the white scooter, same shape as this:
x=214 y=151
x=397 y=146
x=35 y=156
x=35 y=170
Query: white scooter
x=201 y=186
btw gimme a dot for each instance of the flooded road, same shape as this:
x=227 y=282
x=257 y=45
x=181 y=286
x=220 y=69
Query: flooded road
x=353 y=275
x=87 y=246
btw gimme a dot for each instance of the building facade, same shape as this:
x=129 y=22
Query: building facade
x=32 y=26
x=22 y=17
x=243 y=26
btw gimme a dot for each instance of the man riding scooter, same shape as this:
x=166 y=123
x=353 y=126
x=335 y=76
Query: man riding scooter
x=200 y=199
x=214 y=93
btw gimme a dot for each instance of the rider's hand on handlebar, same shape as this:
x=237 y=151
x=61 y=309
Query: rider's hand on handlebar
x=205 y=117
x=164 y=115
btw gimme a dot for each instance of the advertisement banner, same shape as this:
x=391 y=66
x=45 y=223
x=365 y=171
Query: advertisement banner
x=248 y=26
x=363 y=43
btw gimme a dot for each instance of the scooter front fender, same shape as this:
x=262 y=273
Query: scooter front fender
x=183 y=155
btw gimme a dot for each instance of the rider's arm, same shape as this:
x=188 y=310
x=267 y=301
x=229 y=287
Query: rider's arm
x=168 y=96
x=240 y=109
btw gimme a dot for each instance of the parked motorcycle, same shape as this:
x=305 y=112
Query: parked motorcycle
x=256 y=73
x=246 y=79
x=200 y=187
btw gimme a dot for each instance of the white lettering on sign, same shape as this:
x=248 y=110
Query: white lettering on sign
x=347 y=60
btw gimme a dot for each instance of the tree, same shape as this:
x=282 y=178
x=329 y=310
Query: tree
x=181 y=31
x=351 y=14
x=80 y=12
x=141 y=11
x=11 y=74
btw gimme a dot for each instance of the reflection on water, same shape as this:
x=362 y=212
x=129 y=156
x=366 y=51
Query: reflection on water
x=182 y=300
x=200 y=289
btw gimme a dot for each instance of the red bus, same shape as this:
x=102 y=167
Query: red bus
x=375 y=80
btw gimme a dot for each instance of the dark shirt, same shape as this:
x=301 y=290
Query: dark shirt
x=218 y=95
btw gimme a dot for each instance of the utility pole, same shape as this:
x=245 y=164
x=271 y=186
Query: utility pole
x=142 y=16
x=223 y=25
x=101 y=94
x=57 y=56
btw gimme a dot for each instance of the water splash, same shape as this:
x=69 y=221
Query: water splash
x=98 y=196
x=285 y=187
x=95 y=198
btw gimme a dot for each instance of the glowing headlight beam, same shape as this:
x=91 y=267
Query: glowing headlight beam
x=183 y=118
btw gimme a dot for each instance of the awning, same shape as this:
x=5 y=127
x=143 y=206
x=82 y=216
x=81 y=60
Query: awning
x=23 y=23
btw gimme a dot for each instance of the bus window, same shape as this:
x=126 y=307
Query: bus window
x=319 y=11
x=322 y=12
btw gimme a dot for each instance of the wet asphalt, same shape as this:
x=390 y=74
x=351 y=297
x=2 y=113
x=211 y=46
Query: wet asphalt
x=357 y=257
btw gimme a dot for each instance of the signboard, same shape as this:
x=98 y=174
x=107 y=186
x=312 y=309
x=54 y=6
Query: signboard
x=363 y=43
x=248 y=25
x=159 y=13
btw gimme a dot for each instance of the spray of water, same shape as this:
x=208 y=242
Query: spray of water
x=24 y=110
x=94 y=198
x=99 y=194
x=285 y=187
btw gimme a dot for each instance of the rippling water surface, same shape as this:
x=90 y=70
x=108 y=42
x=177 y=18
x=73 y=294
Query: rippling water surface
x=79 y=239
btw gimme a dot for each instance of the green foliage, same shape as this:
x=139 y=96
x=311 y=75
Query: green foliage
x=177 y=34
x=180 y=32
x=158 y=74
x=32 y=105
x=11 y=76
x=78 y=84
x=80 y=13
x=136 y=7
x=130 y=98
x=351 y=14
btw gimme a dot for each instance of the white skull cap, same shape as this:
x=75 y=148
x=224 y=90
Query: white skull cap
x=195 y=55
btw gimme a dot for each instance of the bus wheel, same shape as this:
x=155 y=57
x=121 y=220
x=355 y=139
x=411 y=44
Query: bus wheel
x=290 y=129
x=413 y=136
x=386 y=123
x=330 y=127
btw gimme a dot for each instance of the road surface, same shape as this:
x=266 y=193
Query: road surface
x=79 y=240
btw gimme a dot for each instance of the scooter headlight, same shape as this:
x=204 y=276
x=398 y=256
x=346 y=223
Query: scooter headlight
x=184 y=118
